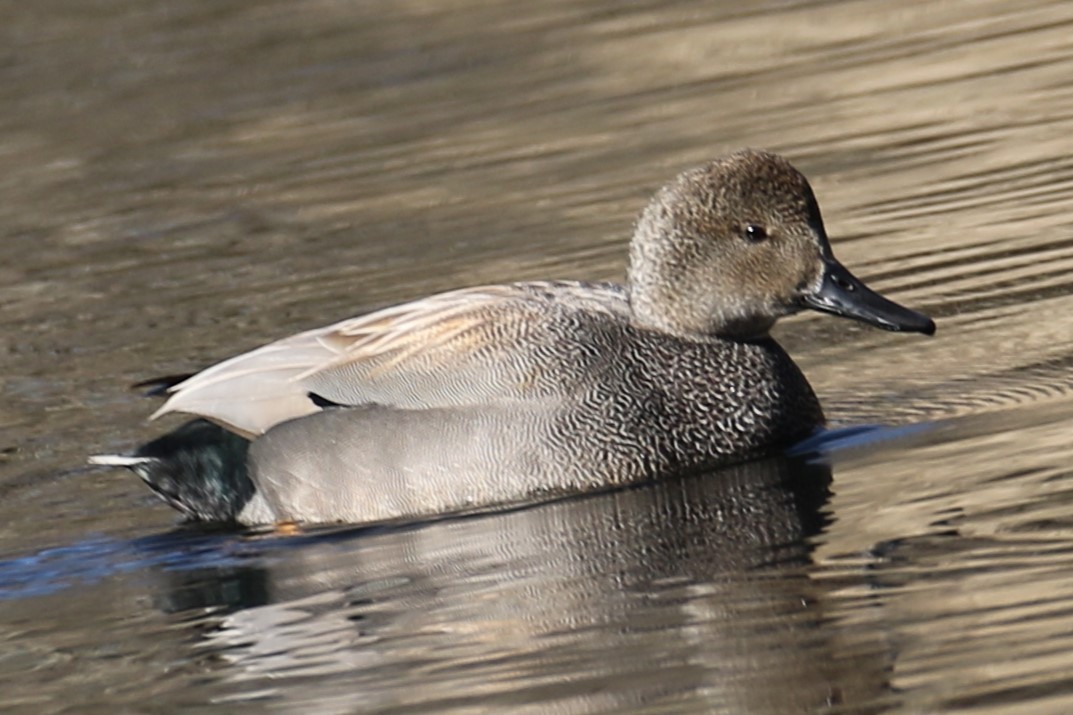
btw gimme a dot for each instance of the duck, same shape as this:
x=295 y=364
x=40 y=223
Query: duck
x=495 y=395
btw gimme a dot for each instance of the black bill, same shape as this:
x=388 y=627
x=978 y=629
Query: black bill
x=842 y=293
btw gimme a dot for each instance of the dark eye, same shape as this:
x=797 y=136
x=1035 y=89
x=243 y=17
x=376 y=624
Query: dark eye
x=755 y=233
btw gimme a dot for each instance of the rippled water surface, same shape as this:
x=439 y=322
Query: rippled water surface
x=182 y=181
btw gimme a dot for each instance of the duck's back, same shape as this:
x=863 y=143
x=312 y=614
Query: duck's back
x=466 y=347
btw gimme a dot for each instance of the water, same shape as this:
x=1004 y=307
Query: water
x=185 y=181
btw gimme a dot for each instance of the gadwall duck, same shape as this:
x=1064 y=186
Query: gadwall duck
x=491 y=395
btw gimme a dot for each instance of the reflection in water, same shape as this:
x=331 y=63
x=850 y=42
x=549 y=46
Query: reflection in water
x=697 y=592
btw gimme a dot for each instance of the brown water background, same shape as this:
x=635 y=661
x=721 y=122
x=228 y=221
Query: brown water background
x=180 y=181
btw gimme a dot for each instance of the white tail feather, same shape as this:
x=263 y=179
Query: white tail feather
x=118 y=460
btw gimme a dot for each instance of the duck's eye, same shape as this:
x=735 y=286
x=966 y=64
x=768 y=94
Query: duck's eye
x=755 y=233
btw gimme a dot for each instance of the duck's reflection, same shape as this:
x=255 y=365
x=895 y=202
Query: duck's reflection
x=692 y=592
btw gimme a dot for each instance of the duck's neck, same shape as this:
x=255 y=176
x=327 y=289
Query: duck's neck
x=661 y=313
x=665 y=298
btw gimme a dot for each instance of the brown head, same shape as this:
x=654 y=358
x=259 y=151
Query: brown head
x=729 y=248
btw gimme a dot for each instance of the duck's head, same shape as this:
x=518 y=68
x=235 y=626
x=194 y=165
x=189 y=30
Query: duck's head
x=729 y=248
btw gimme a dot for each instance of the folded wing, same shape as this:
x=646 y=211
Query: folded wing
x=465 y=347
